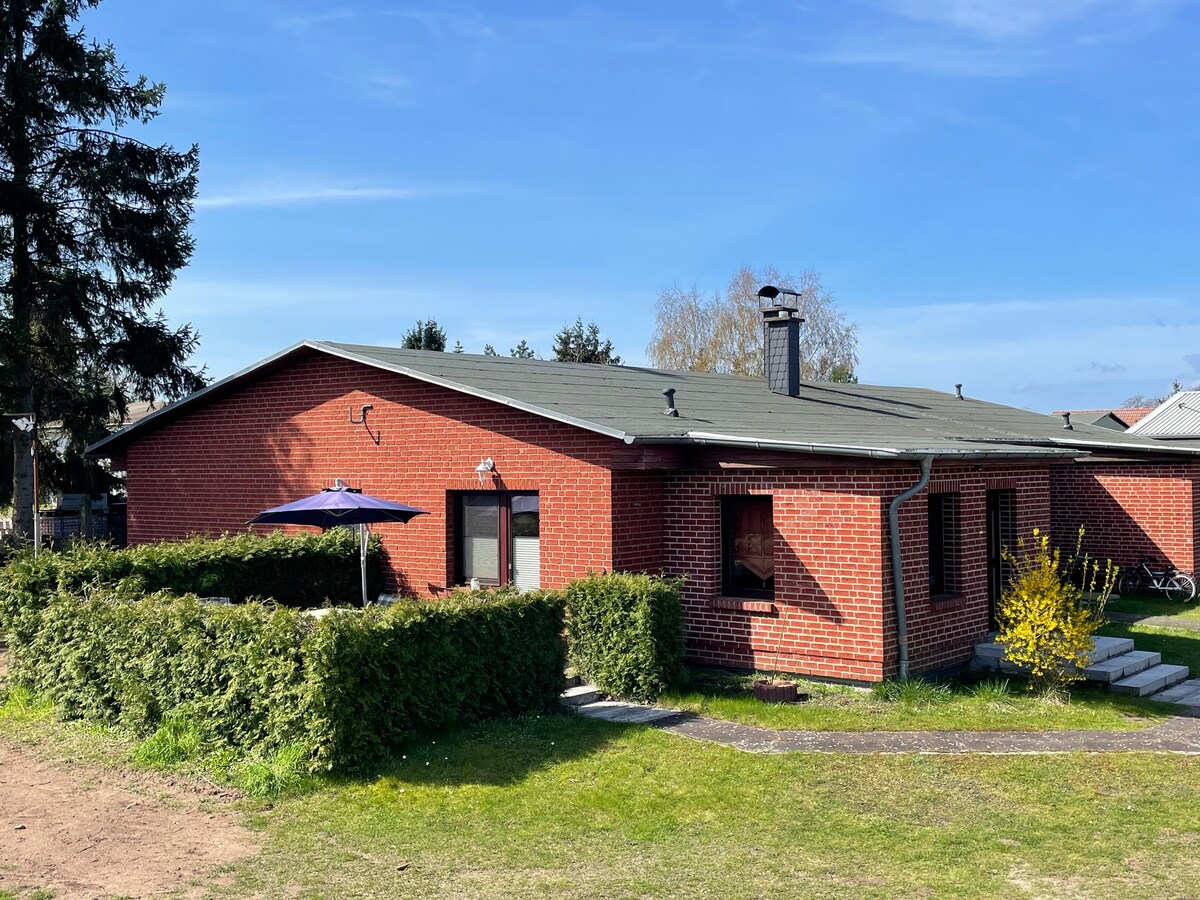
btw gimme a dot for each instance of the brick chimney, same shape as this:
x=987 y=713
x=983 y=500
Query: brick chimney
x=781 y=349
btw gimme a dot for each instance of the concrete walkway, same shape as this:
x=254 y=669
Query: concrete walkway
x=1179 y=734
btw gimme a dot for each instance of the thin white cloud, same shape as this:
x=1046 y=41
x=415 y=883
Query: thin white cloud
x=282 y=194
x=442 y=24
x=936 y=59
x=304 y=22
x=999 y=20
x=992 y=38
x=396 y=90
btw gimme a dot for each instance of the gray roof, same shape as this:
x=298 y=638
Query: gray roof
x=1178 y=417
x=626 y=402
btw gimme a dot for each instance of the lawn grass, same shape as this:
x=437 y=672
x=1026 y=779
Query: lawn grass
x=995 y=704
x=1155 y=604
x=562 y=806
x=572 y=807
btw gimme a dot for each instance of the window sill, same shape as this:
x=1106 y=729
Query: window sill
x=948 y=601
x=741 y=604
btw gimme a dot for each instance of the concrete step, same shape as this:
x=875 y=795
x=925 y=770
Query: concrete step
x=989 y=656
x=1108 y=647
x=1117 y=667
x=1150 y=681
x=1186 y=693
x=579 y=695
x=989 y=650
x=632 y=713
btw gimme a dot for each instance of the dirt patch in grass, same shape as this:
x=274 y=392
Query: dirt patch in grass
x=85 y=833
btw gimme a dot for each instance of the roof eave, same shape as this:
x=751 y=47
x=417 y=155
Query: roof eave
x=704 y=439
x=475 y=392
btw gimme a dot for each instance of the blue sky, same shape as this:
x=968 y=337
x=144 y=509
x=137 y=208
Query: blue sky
x=1002 y=193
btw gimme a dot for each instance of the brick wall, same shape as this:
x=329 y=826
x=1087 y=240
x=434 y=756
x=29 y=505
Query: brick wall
x=941 y=631
x=637 y=526
x=1129 y=510
x=288 y=435
x=833 y=613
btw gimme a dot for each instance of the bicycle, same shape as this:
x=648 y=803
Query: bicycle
x=1168 y=580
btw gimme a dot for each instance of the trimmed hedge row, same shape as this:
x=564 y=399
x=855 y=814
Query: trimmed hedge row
x=625 y=633
x=346 y=688
x=294 y=570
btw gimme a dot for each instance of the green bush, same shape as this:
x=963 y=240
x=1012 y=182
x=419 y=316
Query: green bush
x=294 y=570
x=378 y=677
x=235 y=671
x=625 y=633
x=345 y=688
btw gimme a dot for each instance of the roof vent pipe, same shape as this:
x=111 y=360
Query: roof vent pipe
x=669 y=393
x=1067 y=422
x=958 y=391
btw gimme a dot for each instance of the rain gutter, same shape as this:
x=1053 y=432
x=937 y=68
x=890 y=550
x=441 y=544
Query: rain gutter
x=706 y=439
x=897 y=568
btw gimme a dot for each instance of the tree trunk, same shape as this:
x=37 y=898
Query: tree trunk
x=21 y=287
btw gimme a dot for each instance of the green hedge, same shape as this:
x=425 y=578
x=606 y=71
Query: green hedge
x=387 y=675
x=294 y=570
x=625 y=633
x=346 y=688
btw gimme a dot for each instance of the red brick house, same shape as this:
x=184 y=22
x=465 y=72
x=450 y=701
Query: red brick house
x=776 y=500
x=1132 y=504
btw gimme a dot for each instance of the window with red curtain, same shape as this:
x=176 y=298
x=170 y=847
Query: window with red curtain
x=748 y=547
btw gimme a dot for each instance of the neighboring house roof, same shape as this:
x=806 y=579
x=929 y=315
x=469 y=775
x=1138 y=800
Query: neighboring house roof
x=626 y=402
x=1105 y=418
x=1178 y=417
x=1131 y=415
x=1119 y=419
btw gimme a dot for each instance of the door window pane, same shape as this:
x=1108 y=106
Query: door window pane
x=480 y=538
x=525 y=516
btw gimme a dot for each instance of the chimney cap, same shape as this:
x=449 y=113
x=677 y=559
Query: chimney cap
x=771 y=293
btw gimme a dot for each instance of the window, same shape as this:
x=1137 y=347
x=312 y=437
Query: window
x=498 y=539
x=747 y=547
x=943 y=544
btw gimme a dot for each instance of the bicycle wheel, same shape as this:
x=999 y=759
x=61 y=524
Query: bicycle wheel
x=1129 y=583
x=1180 y=586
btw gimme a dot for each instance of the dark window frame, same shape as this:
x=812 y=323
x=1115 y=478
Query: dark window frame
x=729 y=504
x=944 y=538
x=504 y=500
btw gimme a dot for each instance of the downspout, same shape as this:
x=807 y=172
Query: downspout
x=897 y=568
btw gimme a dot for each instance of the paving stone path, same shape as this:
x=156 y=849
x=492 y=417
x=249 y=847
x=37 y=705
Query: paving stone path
x=1179 y=734
x=1155 y=621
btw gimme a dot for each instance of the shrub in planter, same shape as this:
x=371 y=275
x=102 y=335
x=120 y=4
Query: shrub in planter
x=625 y=633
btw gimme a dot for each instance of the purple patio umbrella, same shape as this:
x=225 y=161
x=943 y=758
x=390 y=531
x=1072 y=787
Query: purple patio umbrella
x=340 y=505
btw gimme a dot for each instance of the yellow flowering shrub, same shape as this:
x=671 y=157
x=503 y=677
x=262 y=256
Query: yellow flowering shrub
x=1047 y=622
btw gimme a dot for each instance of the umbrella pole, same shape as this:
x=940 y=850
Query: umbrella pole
x=362 y=558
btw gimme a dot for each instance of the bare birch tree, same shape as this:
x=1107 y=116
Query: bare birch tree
x=723 y=333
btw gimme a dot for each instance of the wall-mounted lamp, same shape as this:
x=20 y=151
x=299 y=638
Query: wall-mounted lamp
x=485 y=468
x=362 y=416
